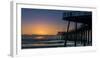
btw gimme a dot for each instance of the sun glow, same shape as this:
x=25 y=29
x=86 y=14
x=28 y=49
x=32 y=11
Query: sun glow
x=40 y=32
x=43 y=29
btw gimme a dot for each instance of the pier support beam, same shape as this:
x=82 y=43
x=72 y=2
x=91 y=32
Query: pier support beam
x=66 y=37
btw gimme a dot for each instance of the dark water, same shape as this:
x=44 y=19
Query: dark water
x=45 y=41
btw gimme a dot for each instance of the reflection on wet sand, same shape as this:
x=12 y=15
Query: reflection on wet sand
x=39 y=37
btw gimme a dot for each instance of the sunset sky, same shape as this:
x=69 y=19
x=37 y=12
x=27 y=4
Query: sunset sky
x=39 y=21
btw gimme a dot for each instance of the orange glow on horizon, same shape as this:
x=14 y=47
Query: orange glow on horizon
x=41 y=29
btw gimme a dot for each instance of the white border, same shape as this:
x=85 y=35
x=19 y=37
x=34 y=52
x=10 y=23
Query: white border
x=16 y=38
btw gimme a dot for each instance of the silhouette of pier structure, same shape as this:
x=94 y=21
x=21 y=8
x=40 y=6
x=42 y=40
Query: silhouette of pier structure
x=80 y=36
